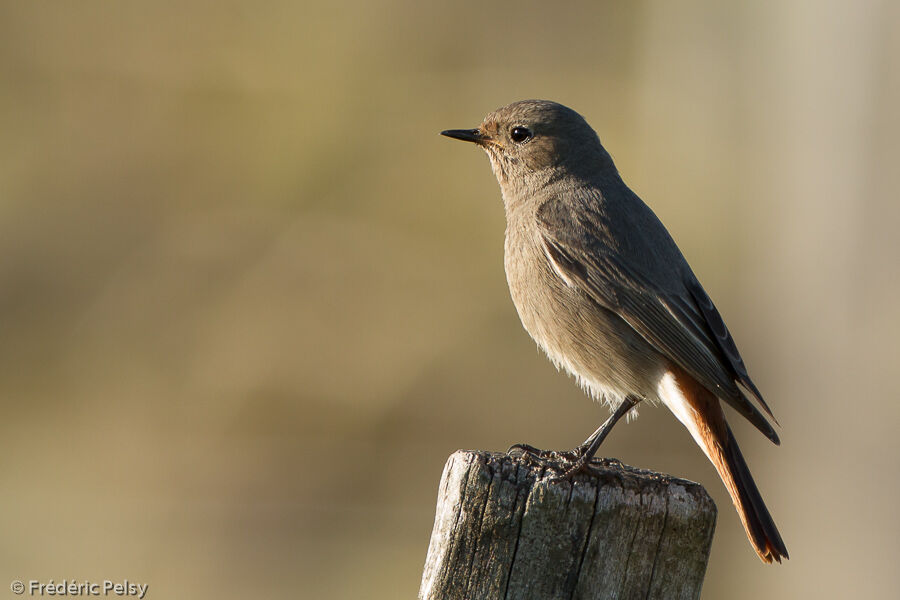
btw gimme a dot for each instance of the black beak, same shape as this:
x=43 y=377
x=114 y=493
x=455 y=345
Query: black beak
x=466 y=135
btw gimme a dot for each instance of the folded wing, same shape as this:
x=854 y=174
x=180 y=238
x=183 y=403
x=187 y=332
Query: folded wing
x=681 y=323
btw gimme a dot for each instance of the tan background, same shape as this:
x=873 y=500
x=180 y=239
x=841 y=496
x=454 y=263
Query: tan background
x=250 y=300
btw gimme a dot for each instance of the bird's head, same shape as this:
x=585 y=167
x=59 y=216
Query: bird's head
x=533 y=140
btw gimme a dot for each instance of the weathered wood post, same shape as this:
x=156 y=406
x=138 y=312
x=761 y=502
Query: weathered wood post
x=504 y=531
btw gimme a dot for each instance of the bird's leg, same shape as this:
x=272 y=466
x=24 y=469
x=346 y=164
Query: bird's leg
x=584 y=453
x=600 y=434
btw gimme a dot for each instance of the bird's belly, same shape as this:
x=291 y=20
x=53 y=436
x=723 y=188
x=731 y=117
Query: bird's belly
x=606 y=356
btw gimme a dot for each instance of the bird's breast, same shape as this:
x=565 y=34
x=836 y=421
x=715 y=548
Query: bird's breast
x=594 y=344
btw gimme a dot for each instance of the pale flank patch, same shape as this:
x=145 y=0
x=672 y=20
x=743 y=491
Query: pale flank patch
x=672 y=396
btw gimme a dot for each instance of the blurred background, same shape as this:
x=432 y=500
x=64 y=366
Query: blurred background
x=250 y=300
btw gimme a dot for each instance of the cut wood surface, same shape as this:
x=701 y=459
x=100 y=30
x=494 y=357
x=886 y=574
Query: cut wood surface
x=504 y=530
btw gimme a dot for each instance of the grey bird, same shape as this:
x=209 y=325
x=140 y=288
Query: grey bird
x=603 y=289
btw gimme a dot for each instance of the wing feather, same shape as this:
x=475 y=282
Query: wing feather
x=682 y=323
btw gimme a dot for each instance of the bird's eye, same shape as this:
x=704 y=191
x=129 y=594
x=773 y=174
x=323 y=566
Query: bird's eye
x=520 y=134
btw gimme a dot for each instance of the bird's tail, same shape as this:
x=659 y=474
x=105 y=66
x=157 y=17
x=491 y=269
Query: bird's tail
x=700 y=411
x=754 y=515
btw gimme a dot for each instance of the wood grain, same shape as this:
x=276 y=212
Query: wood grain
x=503 y=529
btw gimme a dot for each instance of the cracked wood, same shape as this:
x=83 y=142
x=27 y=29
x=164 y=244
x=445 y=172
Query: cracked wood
x=504 y=531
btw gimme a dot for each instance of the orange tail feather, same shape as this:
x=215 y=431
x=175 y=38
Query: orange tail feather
x=701 y=413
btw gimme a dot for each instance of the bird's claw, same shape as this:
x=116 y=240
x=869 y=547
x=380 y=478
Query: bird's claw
x=567 y=463
x=527 y=450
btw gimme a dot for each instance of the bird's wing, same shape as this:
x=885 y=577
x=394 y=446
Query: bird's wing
x=716 y=326
x=681 y=323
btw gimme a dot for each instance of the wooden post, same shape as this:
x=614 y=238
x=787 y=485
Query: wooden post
x=504 y=531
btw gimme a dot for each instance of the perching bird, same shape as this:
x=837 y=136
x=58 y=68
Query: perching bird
x=601 y=286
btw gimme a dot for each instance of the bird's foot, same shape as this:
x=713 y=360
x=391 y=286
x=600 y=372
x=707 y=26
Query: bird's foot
x=544 y=458
x=557 y=459
x=517 y=450
x=533 y=455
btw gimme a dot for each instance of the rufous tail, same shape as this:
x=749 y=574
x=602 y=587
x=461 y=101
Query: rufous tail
x=758 y=523
x=701 y=413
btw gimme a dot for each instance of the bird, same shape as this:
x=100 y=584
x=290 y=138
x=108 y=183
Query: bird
x=601 y=286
